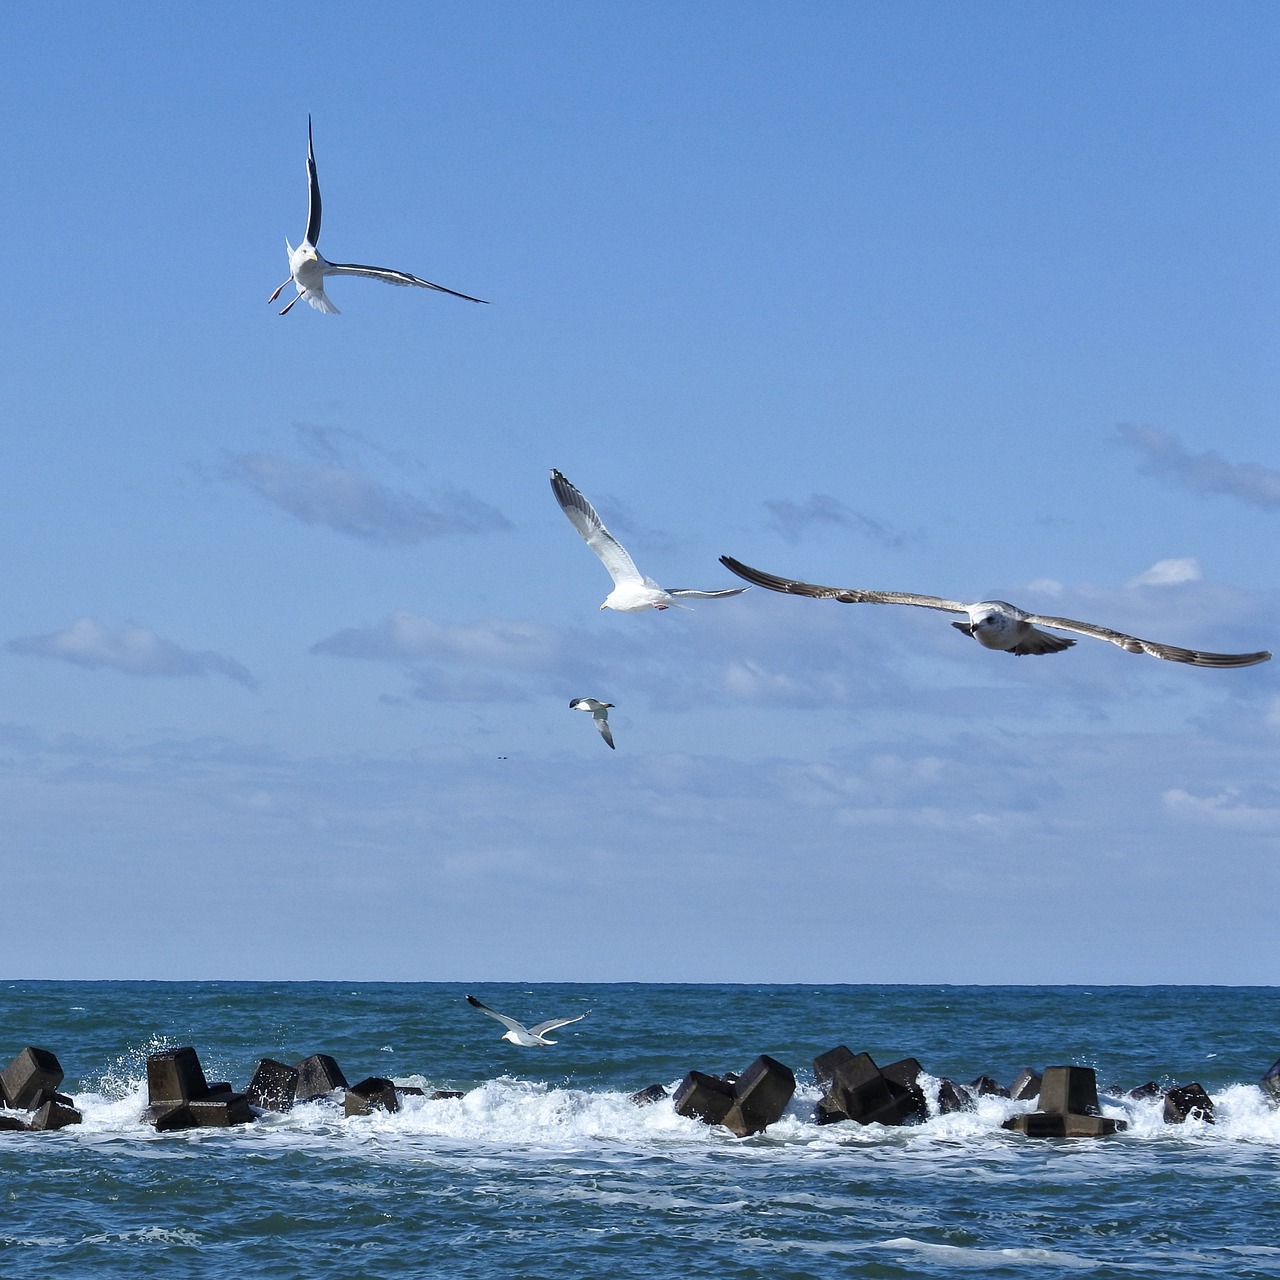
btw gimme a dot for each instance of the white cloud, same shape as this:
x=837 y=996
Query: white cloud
x=794 y=519
x=1225 y=809
x=1205 y=473
x=336 y=490
x=1169 y=573
x=137 y=651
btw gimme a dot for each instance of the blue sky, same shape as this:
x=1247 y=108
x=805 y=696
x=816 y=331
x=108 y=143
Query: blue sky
x=975 y=300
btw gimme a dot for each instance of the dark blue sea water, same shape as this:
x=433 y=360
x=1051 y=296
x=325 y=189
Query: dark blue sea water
x=545 y=1169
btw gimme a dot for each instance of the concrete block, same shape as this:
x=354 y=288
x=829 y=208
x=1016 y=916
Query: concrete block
x=1069 y=1091
x=1047 y=1124
x=1188 y=1102
x=32 y=1073
x=221 y=1110
x=761 y=1094
x=856 y=1089
x=318 y=1075
x=953 y=1097
x=372 y=1094
x=1025 y=1086
x=55 y=1114
x=1271 y=1081
x=11 y=1124
x=174 y=1076
x=648 y=1096
x=904 y=1084
x=703 y=1097
x=1148 y=1090
x=273 y=1085
x=171 y=1118
x=437 y=1095
x=986 y=1087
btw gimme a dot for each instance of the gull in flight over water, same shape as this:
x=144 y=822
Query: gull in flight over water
x=599 y=711
x=996 y=624
x=307 y=269
x=518 y=1033
x=632 y=591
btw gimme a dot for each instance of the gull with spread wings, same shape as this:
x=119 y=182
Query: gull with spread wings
x=518 y=1033
x=632 y=591
x=307 y=269
x=599 y=712
x=996 y=624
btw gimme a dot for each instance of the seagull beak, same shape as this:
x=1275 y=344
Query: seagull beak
x=604 y=606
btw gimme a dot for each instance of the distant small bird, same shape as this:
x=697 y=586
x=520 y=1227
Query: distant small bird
x=307 y=269
x=632 y=591
x=996 y=624
x=518 y=1033
x=599 y=712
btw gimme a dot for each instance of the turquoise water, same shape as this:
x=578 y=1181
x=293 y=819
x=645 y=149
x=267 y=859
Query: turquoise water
x=546 y=1169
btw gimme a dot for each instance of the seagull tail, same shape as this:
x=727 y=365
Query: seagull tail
x=320 y=300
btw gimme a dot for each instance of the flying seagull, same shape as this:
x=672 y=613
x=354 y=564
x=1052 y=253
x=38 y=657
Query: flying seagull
x=307 y=269
x=600 y=712
x=518 y=1033
x=995 y=624
x=632 y=591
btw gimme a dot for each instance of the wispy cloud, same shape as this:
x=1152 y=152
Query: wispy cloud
x=408 y=637
x=795 y=519
x=335 y=489
x=137 y=651
x=1163 y=455
x=1169 y=573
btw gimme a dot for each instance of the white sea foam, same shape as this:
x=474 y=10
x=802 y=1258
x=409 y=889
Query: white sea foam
x=512 y=1114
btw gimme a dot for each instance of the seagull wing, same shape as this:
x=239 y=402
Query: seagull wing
x=583 y=517
x=510 y=1023
x=389 y=276
x=602 y=723
x=1132 y=644
x=313 y=187
x=847 y=595
x=705 y=595
x=552 y=1023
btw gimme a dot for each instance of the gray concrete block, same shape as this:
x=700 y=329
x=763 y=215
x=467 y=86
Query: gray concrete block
x=761 y=1094
x=273 y=1085
x=1188 y=1102
x=318 y=1075
x=1069 y=1091
x=55 y=1114
x=32 y=1073
x=1025 y=1086
x=174 y=1076
x=647 y=1096
x=372 y=1094
x=703 y=1097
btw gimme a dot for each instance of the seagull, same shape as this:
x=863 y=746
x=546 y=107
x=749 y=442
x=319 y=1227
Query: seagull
x=996 y=624
x=518 y=1033
x=307 y=269
x=600 y=712
x=632 y=591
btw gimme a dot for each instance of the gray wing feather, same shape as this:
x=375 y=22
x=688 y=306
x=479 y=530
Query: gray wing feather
x=705 y=595
x=389 y=276
x=1133 y=644
x=313 y=193
x=582 y=516
x=552 y=1023
x=846 y=595
x=510 y=1023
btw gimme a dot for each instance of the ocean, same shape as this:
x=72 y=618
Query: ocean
x=546 y=1169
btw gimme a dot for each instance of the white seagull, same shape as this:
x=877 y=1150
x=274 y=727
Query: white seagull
x=600 y=713
x=307 y=269
x=996 y=624
x=518 y=1033
x=632 y=591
